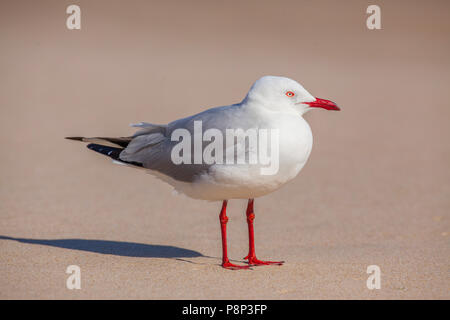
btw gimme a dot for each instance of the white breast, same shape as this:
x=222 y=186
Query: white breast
x=246 y=181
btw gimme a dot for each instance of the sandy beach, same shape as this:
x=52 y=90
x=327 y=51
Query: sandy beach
x=375 y=191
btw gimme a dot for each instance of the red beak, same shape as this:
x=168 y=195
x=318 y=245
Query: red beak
x=322 y=103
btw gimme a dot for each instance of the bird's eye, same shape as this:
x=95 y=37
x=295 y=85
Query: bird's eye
x=290 y=94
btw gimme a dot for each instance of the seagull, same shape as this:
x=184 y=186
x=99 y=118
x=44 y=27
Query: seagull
x=225 y=152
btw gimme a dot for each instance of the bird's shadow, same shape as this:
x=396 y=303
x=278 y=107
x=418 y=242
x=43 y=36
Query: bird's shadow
x=118 y=248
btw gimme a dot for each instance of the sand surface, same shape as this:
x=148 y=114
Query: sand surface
x=376 y=190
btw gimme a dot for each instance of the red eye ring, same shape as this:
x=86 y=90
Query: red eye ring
x=290 y=94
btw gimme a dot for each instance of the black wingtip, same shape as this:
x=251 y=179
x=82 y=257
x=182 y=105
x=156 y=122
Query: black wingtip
x=74 y=138
x=111 y=152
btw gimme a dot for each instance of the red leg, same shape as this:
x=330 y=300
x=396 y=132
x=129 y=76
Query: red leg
x=223 y=226
x=251 y=257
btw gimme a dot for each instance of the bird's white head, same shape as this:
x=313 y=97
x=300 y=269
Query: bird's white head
x=284 y=94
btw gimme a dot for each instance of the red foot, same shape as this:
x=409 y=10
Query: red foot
x=253 y=261
x=232 y=266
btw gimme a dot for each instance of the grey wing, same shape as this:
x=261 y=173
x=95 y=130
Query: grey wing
x=152 y=147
